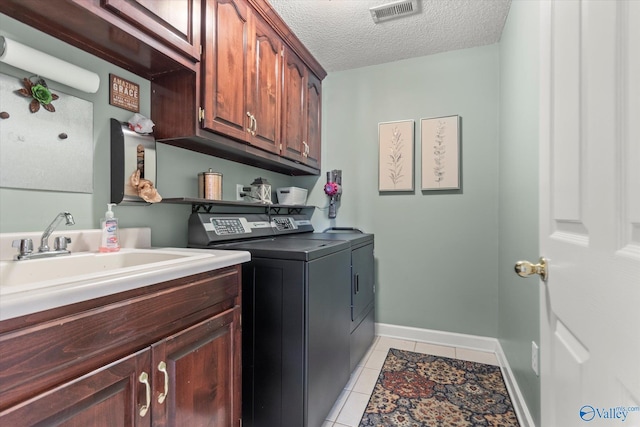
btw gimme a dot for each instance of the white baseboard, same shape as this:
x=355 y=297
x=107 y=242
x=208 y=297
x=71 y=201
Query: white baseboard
x=472 y=342
x=450 y=339
x=519 y=405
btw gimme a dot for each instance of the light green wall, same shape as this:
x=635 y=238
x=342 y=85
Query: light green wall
x=436 y=253
x=444 y=261
x=32 y=210
x=518 y=308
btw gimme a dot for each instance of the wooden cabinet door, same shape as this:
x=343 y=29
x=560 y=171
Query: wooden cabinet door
x=198 y=372
x=224 y=74
x=175 y=22
x=263 y=100
x=313 y=110
x=293 y=106
x=301 y=112
x=110 y=396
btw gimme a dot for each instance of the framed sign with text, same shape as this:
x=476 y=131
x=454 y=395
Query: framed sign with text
x=124 y=93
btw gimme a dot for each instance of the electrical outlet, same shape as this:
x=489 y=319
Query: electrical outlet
x=239 y=192
x=535 y=358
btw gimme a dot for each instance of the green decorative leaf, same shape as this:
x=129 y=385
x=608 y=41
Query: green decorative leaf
x=42 y=94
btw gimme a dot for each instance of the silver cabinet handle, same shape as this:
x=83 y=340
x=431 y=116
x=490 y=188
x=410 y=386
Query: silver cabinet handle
x=144 y=379
x=305 y=152
x=162 y=367
x=253 y=124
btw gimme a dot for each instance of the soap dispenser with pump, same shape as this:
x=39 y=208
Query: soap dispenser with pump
x=109 y=226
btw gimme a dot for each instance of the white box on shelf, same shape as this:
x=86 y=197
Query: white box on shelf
x=292 y=196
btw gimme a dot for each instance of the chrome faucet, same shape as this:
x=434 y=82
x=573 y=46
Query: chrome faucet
x=44 y=240
x=59 y=248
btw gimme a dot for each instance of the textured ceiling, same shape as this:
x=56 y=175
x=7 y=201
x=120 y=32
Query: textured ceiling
x=341 y=34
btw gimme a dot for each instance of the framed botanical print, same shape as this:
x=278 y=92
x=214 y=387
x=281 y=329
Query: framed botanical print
x=440 y=137
x=395 y=161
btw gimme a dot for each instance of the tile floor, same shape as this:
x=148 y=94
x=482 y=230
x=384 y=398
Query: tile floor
x=353 y=400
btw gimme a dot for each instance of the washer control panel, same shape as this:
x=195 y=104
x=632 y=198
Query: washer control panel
x=284 y=223
x=235 y=225
x=227 y=226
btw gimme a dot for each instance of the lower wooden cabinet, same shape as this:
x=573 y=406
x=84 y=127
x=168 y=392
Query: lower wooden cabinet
x=188 y=378
x=107 y=396
x=193 y=375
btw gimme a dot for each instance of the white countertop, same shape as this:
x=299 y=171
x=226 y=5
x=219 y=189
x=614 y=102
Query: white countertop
x=55 y=287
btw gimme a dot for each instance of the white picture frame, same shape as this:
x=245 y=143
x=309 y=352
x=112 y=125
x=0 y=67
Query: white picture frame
x=396 y=156
x=440 y=143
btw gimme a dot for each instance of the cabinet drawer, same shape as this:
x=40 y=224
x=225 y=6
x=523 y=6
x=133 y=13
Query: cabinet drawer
x=84 y=336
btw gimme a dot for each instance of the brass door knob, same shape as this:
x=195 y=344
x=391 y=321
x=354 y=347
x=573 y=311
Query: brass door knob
x=526 y=269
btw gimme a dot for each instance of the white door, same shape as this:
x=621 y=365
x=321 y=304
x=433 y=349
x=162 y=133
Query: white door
x=590 y=212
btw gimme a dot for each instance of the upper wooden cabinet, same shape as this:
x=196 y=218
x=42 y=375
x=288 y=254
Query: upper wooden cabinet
x=293 y=106
x=174 y=22
x=218 y=70
x=265 y=86
x=241 y=75
x=313 y=116
x=258 y=94
x=147 y=37
x=224 y=69
x=301 y=112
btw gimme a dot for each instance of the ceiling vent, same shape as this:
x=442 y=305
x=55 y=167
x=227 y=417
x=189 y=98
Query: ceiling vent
x=394 y=10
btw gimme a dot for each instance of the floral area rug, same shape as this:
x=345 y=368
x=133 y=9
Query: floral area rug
x=420 y=390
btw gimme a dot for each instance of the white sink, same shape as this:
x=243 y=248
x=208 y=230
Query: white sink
x=29 y=286
x=17 y=276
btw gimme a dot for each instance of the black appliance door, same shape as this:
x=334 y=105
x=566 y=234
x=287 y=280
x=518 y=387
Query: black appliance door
x=362 y=283
x=273 y=341
x=295 y=338
x=328 y=336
